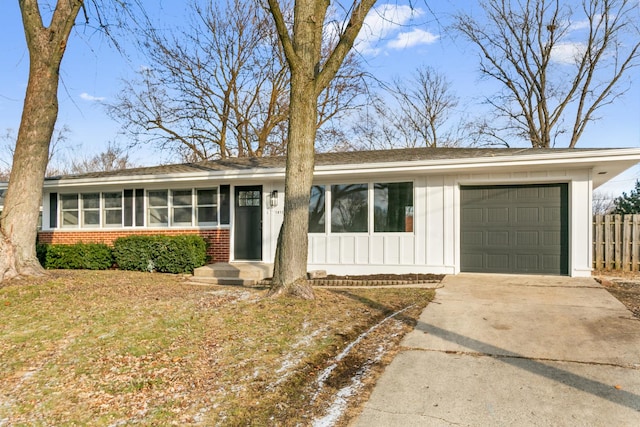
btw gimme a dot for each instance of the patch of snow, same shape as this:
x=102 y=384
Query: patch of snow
x=322 y=378
x=341 y=400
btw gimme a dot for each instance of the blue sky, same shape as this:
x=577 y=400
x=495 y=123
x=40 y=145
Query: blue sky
x=92 y=71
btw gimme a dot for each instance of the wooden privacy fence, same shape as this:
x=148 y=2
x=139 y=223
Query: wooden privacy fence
x=616 y=242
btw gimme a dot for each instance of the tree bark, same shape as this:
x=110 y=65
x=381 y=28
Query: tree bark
x=19 y=219
x=290 y=270
x=309 y=76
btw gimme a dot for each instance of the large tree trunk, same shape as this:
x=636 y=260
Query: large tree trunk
x=290 y=270
x=309 y=77
x=24 y=195
x=19 y=219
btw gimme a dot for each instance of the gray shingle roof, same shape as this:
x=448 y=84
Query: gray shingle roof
x=322 y=159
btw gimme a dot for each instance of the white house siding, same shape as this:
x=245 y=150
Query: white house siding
x=434 y=245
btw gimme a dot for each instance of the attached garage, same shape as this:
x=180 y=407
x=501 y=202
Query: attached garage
x=515 y=229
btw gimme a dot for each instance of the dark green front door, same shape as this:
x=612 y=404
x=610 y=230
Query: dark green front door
x=515 y=229
x=247 y=242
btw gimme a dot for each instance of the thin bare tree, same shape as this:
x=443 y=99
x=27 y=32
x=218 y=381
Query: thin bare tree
x=411 y=112
x=220 y=87
x=558 y=62
x=112 y=158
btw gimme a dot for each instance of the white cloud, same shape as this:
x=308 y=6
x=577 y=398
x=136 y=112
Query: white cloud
x=382 y=22
x=412 y=38
x=91 y=98
x=567 y=53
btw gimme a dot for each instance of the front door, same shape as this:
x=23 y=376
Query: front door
x=247 y=242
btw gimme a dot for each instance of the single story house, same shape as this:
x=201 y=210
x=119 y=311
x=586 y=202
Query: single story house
x=419 y=210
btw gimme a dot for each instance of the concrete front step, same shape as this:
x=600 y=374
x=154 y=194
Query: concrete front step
x=247 y=270
x=228 y=281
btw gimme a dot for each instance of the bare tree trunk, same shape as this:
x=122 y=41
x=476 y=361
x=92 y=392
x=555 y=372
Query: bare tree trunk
x=19 y=219
x=309 y=77
x=290 y=272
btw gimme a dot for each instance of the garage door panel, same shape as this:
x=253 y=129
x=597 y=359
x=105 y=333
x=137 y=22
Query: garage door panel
x=472 y=215
x=513 y=229
x=527 y=215
x=472 y=238
x=497 y=238
x=527 y=238
x=498 y=261
x=497 y=215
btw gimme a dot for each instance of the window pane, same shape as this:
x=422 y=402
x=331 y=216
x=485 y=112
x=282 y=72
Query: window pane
x=91 y=218
x=69 y=201
x=113 y=217
x=112 y=200
x=139 y=202
x=349 y=213
x=316 y=209
x=158 y=198
x=70 y=218
x=249 y=198
x=182 y=215
x=206 y=214
x=91 y=201
x=182 y=197
x=158 y=216
x=225 y=203
x=2 y=193
x=393 y=207
x=207 y=197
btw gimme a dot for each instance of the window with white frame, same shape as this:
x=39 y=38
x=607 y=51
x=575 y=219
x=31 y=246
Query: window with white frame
x=112 y=211
x=316 y=209
x=207 y=206
x=90 y=209
x=181 y=207
x=349 y=208
x=393 y=207
x=158 y=208
x=69 y=212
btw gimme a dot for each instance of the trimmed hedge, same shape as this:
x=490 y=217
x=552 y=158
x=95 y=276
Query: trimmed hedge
x=164 y=254
x=85 y=256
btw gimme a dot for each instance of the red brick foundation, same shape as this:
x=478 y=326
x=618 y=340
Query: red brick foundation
x=217 y=240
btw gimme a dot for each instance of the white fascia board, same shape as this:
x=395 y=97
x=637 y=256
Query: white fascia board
x=244 y=175
x=626 y=157
x=567 y=158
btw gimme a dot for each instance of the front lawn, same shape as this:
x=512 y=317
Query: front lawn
x=113 y=348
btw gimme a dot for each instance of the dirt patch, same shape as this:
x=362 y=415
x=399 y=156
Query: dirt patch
x=625 y=287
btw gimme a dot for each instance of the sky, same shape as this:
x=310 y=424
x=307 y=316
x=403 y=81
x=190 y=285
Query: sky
x=395 y=40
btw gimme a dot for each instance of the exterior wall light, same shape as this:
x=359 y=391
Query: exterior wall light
x=273 y=198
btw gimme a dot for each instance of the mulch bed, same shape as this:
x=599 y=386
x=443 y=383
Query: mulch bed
x=372 y=280
x=626 y=290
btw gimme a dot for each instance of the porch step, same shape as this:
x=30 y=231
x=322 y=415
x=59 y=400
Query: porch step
x=229 y=281
x=245 y=273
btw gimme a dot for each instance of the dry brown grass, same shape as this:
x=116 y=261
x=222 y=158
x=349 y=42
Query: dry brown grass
x=113 y=348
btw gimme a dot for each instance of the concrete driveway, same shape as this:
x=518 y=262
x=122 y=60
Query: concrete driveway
x=502 y=350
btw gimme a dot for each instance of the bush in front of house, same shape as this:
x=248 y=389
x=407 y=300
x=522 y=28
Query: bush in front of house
x=85 y=256
x=164 y=254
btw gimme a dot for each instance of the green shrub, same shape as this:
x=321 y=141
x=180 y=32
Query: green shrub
x=164 y=254
x=87 y=256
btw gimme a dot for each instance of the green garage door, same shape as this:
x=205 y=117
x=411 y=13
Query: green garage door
x=515 y=229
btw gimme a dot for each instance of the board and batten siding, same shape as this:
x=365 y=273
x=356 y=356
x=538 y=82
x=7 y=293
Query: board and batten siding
x=434 y=245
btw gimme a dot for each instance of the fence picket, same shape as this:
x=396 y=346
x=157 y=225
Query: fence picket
x=616 y=242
